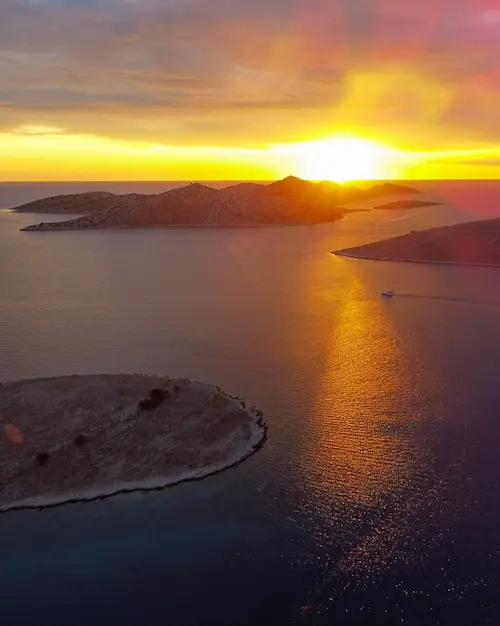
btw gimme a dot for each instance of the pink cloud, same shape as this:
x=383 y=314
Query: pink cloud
x=104 y=64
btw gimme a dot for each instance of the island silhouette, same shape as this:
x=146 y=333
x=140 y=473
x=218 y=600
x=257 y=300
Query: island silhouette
x=470 y=243
x=288 y=201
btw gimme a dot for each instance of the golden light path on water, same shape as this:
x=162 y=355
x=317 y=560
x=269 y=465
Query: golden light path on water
x=351 y=442
x=361 y=455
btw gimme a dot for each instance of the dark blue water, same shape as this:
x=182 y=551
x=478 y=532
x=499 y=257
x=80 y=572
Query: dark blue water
x=376 y=498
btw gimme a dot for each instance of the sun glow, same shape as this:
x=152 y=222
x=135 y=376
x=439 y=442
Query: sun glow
x=343 y=159
x=41 y=152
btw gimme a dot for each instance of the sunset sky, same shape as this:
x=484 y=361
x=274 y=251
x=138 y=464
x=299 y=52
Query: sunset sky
x=240 y=89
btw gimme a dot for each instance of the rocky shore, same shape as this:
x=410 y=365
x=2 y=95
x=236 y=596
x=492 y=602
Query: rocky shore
x=88 y=437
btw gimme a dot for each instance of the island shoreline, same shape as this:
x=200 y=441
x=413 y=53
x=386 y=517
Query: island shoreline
x=36 y=228
x=236 y=455
x=350 y=255
x=140 y=488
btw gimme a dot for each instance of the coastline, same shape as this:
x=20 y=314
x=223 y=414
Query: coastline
x=364 y=257
x=227 y=407
x=144 y=486
x=35 y=228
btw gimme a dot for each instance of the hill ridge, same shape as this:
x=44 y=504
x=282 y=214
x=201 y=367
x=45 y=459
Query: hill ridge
x=288 y=201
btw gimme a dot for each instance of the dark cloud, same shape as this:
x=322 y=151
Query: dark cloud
x=178 y=68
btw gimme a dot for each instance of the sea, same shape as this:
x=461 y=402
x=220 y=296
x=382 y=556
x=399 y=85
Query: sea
x=376 y=498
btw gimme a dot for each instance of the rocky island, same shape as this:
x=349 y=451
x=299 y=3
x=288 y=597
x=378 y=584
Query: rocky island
x=405 y=204
x=87 y=437
x=470 y=243
x=289 y=201
x=86 y=202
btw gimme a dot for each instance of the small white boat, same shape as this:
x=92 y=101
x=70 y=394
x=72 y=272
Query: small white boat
x=388 y=294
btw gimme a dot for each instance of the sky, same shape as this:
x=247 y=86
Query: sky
x=240 y=89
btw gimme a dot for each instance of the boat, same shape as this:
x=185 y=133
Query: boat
x=388 y=294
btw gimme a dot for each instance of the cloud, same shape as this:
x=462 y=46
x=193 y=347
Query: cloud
x=234 y=71
x=38 y=131
x=493 y=162
x=487 y=158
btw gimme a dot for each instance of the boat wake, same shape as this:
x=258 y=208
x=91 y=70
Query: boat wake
x=495 y=304
x=399 y=219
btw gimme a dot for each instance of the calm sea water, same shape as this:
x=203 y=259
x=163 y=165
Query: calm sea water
x=376 y=499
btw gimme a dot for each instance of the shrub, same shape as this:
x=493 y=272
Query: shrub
x=149 y=404
x=42 y=458
x=80 y=441
x=157 y=394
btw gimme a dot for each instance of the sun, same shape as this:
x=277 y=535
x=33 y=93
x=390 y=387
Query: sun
x=342 y=159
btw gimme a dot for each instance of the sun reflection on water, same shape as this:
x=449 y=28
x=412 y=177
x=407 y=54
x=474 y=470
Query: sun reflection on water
x=358 y=451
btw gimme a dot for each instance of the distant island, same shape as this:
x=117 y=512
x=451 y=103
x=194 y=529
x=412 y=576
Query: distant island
x=470 y=243
x=288 y=201
x=86 y=437
x=86 y=202
x=405 y=204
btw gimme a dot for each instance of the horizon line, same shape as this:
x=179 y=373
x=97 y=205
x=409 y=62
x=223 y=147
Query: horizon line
x=235 y=180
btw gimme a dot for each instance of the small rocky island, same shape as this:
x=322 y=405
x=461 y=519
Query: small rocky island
x=288 y=201
x=399 y=205
x=87 y=437
x=470 y=243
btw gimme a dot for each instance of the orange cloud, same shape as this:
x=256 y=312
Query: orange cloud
x=235 y=74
